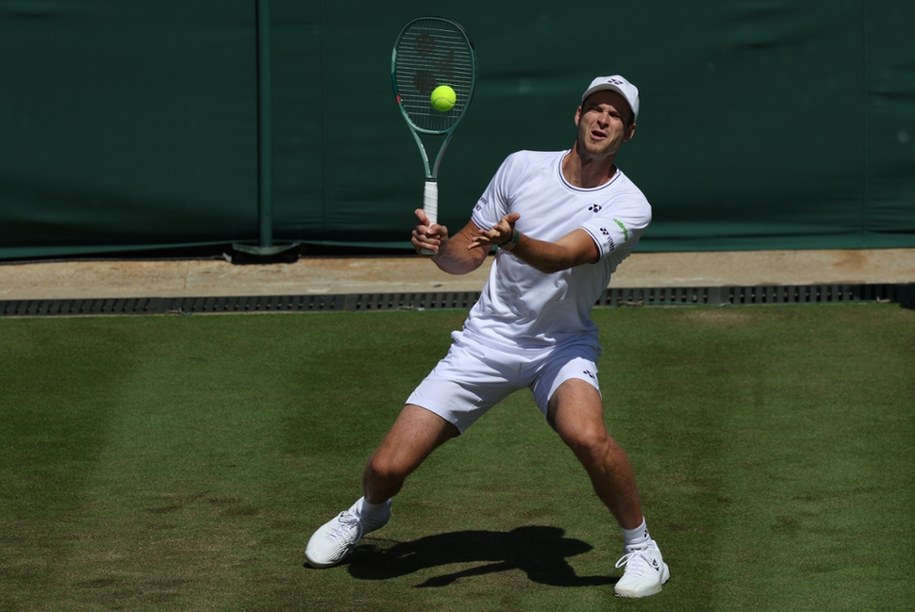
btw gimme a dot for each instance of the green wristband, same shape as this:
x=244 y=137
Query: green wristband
x=511 y=243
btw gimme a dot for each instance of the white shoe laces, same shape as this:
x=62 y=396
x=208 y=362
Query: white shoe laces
x=347 y=526
x=638 y=562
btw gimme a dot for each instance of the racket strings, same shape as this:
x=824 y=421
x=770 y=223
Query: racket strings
x=430 y=53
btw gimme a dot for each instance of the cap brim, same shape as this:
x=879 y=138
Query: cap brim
x=613 y=88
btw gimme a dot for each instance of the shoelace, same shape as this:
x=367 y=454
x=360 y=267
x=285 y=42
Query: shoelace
x=641 y=562
x=346 y=524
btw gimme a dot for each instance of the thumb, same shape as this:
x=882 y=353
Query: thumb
x=512 y=217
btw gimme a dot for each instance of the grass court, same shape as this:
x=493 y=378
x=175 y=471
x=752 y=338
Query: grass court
x=181 y=462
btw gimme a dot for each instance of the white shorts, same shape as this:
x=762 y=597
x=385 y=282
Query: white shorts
x=472 y=378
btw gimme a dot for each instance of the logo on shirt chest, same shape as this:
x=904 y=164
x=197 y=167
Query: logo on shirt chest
x=595 y=208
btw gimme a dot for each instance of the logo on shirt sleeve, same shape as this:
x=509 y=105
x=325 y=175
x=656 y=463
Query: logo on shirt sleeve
x=609 y=239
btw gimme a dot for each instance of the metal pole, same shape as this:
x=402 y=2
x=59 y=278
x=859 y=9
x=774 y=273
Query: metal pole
x=265 y=246
x=264 y=161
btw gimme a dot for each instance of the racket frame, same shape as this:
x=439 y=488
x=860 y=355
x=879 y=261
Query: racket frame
x=430 y=170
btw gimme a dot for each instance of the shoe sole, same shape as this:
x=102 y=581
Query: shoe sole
x=310 y=563
x=665 y=576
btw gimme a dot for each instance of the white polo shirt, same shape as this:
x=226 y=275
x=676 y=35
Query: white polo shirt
x=522 y=308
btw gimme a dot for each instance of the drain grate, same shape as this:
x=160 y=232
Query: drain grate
x=780 y=294
x=670 y=296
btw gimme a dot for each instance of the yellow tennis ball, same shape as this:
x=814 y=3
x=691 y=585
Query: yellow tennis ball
x=443 y=98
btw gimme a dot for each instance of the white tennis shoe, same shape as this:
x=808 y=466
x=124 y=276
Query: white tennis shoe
x=335 y=539
x=645 y=571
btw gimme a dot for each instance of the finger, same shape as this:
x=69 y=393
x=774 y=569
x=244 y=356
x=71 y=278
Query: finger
x=480 y=240
x=426 y=247
x=426 y=239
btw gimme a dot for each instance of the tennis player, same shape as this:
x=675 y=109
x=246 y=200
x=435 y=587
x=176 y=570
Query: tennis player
x=563 y=221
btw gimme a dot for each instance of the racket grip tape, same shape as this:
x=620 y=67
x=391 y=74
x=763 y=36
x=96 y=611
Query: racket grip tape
x=430 y=205
x=430 y=200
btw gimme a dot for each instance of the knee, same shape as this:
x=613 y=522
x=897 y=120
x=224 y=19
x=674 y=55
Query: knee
x=588 y=441
x=378 y=469
x=383 y=468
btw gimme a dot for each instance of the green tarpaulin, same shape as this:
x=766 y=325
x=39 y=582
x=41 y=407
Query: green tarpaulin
x=134 y=125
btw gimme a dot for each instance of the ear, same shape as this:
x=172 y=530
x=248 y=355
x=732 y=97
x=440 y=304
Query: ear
x=630 y=133
x=577 y=116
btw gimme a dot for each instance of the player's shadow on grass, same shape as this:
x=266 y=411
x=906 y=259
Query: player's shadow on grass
x=540 y=552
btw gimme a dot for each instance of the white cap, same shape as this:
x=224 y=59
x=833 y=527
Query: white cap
x=621 y=86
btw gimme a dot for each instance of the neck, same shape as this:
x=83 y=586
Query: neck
x=587 y=172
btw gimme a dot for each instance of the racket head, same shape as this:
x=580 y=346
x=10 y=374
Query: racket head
x=428 y=52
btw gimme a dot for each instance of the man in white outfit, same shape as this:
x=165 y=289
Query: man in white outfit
x=562 y=221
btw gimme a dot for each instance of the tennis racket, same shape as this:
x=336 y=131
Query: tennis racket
x=429 y=52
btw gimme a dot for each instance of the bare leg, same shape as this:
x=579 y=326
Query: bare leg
x=576 y=413
x=412 y=438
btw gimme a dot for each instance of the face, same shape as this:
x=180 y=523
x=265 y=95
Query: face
x=604 y=123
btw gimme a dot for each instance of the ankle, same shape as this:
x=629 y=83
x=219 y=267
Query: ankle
x=637 y=536
x=369 y=511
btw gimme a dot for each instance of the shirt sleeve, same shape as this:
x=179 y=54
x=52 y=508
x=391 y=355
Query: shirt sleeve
x=495 y=202
x=619 y=224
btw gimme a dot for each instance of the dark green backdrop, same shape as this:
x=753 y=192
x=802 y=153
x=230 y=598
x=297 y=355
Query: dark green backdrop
x=134 y=125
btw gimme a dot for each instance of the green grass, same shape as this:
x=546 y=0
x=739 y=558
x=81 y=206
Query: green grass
x=182 y=462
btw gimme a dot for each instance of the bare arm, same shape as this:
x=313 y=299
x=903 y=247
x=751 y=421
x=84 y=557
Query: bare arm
x=574 y=249
x=452 y=254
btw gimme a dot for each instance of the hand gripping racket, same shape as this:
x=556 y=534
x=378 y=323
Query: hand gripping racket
x=429 y=52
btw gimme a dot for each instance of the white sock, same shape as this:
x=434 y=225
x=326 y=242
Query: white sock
x=369 y=511
x=639 y=535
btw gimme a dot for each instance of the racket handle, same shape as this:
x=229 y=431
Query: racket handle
x=430 y=206
x=430 y=200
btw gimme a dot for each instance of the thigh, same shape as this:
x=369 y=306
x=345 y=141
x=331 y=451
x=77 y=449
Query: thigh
x=576 y=411
x=414 y=435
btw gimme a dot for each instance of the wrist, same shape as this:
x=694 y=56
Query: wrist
x=512 y=242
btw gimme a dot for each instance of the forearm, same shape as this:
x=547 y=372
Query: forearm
x=454 y=257
x=572 y=250
x=450 y=253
